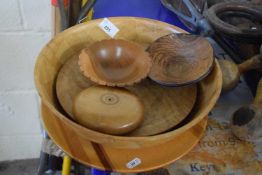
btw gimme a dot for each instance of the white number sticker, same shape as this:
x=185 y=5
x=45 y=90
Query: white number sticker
x=133 y=163
x=108 y=27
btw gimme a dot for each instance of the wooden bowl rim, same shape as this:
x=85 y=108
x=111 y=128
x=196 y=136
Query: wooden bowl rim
x=96 y=79
x=202 y=122
x=204 y=75
x=121 y=138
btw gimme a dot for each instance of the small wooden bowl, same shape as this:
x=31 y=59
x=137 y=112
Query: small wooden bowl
x=108 y=110
x=114 y=62
x=180 y=59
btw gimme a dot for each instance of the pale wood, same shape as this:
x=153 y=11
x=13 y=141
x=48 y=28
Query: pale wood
x=247 y=121
x=179 y=59
x=113 y=159
x=232 y=72
x=70 y=82
x=254 y=62
x=108 y=110
x=141 y=31
x=165 y=107
x=115 y=62
x=258 y=98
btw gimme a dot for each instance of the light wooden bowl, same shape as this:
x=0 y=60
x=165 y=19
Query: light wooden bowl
x=141 y=31
x=109 y=158
x=115 y=62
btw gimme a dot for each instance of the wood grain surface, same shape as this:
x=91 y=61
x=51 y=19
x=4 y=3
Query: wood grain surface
x=164 y=107
x=114 y=159
x=232 y=72
x=109 y=110
x=139 y=30
x=70 y=82
x=115 y=62
x=179 y=59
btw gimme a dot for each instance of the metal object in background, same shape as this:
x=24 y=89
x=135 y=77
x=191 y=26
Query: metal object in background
x=240 y=21
x=85 y=10
x=190 y=13
x=63 y=15
x=73 y=14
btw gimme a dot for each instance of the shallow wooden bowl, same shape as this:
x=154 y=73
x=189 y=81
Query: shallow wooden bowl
x=141 y=31
x=180 y=59
x=114 y=62
x=164 y=107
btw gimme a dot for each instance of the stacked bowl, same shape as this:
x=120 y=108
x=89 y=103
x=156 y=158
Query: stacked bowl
x=134 y=152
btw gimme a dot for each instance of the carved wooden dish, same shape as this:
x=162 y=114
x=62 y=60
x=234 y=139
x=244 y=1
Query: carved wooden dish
x=114 y=62
x=108 y=110
x=68 y=43
x=180 y=59
x=164 y=107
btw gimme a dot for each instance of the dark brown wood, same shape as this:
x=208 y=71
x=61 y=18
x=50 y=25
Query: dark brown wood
x=114 y=62
x=108 y=110
x=179 y=59
x=164 y=107
x=247 y=121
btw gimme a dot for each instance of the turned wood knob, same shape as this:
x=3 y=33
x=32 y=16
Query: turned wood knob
x=247 y=121
x=231 y=72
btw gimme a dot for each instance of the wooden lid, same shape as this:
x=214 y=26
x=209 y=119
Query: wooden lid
x=164 y=107
x=109 y=110
x=114 y=62
x=180 y=59
x=110 y=158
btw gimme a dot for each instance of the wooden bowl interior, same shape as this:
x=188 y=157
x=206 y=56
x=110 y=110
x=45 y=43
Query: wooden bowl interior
x=180 y=59
x=115 y=61
x=73 y=40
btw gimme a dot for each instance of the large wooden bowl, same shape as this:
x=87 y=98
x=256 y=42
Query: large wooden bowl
x=109 y=158
x=141 y=31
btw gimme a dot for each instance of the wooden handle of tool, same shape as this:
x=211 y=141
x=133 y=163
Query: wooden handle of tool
x=258 y=98
x=254 y=62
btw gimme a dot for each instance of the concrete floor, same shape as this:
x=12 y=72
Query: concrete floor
x=20 y=167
